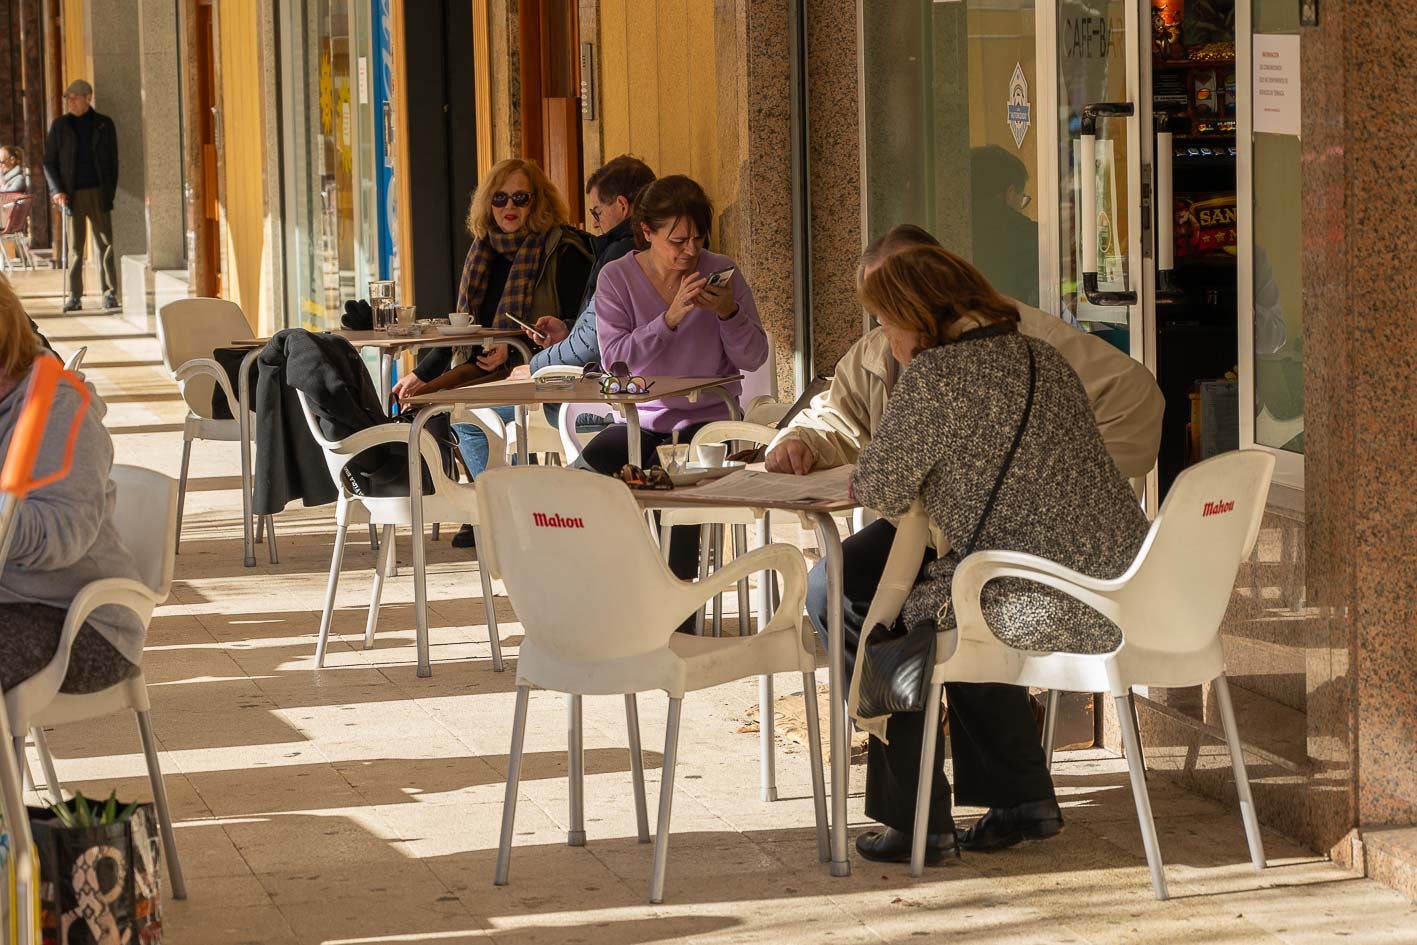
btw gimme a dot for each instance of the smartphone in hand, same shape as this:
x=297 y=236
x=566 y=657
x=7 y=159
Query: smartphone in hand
x=720 y=278
x=537 y=336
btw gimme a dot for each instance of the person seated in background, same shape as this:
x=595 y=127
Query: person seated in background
x=611 y=191
x=658 y=315
x=64 y=535
x=993 y=431
x=1005 y=240
x=526 y=261
x=839 y=425
x=14 y=176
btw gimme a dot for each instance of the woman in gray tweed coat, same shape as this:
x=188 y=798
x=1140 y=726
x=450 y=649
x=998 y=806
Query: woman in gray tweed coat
x=944 y=437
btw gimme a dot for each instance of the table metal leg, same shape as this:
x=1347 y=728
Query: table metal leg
x=243 y=411
x=386 y=379
x=632 y=421
x=838 y=723
x=415 y=498
x=523 y=436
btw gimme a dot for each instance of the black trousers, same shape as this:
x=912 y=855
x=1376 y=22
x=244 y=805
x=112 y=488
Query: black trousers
x=998 y=755
x=31 y=639
x=610 y=450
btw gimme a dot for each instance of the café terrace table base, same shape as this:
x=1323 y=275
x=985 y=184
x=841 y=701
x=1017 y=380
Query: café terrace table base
x=820 y=511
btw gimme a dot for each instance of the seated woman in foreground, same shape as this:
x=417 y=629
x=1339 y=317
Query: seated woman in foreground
x=64 y=535
x=945 y=437
x=656 y=313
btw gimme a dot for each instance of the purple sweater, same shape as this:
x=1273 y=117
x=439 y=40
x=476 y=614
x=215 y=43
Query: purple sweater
x=630 y=324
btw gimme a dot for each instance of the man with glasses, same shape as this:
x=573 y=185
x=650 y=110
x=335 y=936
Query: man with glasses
x=611 y=194
x=81 y=165
x=1005 y=239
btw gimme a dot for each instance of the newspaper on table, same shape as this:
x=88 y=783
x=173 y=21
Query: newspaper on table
x=754 y=486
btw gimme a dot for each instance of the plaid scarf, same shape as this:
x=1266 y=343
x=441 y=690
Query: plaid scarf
x=525 y=250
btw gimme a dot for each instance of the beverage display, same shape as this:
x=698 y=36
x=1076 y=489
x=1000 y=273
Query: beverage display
x=1193 y=98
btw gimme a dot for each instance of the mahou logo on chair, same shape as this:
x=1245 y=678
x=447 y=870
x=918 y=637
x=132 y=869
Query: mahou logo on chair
x=1218 y=508
x=542 y=520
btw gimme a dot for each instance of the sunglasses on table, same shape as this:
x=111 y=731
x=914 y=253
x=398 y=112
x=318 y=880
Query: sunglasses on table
x=519 y=199
x=653 y=478
x=618 y=380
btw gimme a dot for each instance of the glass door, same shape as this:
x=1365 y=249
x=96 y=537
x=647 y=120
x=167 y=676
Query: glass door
x=1099 y=225
x=1147 y=227
x=953 y=131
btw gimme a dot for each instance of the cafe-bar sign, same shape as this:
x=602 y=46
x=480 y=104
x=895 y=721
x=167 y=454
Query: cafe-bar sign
x=1020 y=112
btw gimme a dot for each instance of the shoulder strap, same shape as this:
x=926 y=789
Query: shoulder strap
x=1009 y=457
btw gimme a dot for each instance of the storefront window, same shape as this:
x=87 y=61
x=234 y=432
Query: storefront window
x=327 y=149
x=1278 y=299
x=952 y=139
x=1092 y=60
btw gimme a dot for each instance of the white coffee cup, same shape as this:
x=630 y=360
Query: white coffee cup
x=712 y=454
x=460 y=319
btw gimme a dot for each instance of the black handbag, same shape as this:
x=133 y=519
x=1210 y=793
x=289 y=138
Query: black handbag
x=895 y=675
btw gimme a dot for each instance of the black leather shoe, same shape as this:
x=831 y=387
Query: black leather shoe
x=71 y=305
x=464 y=538
x=1004 y=827
x=892 y=846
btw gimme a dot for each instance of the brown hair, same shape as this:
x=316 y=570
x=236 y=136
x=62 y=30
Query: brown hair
x=669 y=200
x=623 y=176
x=928 y=289
x=17 y=153
x=19 y=345
x=548 y=207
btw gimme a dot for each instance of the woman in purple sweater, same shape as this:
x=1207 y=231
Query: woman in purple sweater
x=656 y=313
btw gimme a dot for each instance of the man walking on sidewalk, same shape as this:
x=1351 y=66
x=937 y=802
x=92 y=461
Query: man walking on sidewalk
x=81 y=165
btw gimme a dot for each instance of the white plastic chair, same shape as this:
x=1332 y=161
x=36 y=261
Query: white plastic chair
x=593 y=638
x=761 y=382
x=543 y=437
x=189 y=330
x=447 y=501
x=1169 y=604
x=146 y=520
x=766 y=410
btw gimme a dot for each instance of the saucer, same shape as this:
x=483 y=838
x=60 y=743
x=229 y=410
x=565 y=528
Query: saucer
x=695 y=473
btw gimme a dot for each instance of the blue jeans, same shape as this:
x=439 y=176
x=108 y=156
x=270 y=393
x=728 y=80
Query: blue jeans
x=472 y=442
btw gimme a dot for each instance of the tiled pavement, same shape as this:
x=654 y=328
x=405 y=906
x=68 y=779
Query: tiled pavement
x=360 y=804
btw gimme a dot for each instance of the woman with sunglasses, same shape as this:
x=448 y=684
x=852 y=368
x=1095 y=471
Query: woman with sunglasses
x=526 y=261
x=657 y=314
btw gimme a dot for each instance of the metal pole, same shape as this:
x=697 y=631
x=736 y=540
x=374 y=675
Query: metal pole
x=799 y=125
